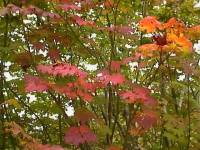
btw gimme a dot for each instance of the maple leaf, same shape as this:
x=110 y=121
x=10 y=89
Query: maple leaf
x=127 y=60
x=148 y=49
x=24 y=59
x=170 y=23
x=183 y=44
x=33 y=83
x=61 y=69
x=160 y=39
x=149 y=24
x=79 y=135
x=4 y=11
x=51 y=15
x=124 y=29
x=82 y=22
x=115 y=65
x=54 y=54
x=118 y=29
x=13 y=8
x=14 y=128
x=112 y=147
x=47 y=147
x=85 y=95
x=193 y=32
x=79 y=88
x=146 y=119
x=138 y=94
x=114 y=79
x=67 y=7
x=39 y=46
x=83 y=115
x=31 y=10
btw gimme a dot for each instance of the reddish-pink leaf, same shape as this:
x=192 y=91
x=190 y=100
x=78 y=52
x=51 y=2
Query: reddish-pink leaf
x=79 y=135
x=51 y=15
x=32 y=10
x=61 y=70
x=82 y=22
x=13 y=8
x=146 y=119
x=48 y=147
x=112 y=147
x=118 y=29
x=33 y=83
x=77 y=89
x=67 y=7
x=83 y=115
x=4 y=11
x=115 y=65
x=127 y=60
x=138 y=94
x=114 y=79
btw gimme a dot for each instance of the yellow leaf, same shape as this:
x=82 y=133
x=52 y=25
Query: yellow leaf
x=14 y=103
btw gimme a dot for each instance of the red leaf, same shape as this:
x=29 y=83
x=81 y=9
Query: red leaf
x=13 y=8
x=127 y=60
x=61 y=70
x=79 y=135
x=51 y=15
x=118 y=29
x=139 y=94
x=82 y=22
x=33 y=83
x=67 y=7
x=79 y=88
x=24 y=59
x=115 y=65
x=83 y=115
x=49 y=147
x=114 y=79
x=32 y=10
x=146 y=119
x=54 y=54
x=39 y=46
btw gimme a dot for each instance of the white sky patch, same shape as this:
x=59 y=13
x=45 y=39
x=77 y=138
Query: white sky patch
x=90 y=67
x=133 y=65
x=70 y=111
x=31 y=97
x=9 y=77
x=197 y=47
x=128 y=46
x=44 y=53
x=54 y=117
x=93 y=35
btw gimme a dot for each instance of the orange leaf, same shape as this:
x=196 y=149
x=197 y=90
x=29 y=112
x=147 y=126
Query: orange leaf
x=149 y=24
x=182 y=42
x=148 y=49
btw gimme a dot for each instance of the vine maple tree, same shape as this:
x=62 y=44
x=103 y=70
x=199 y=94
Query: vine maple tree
x=99 y=75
